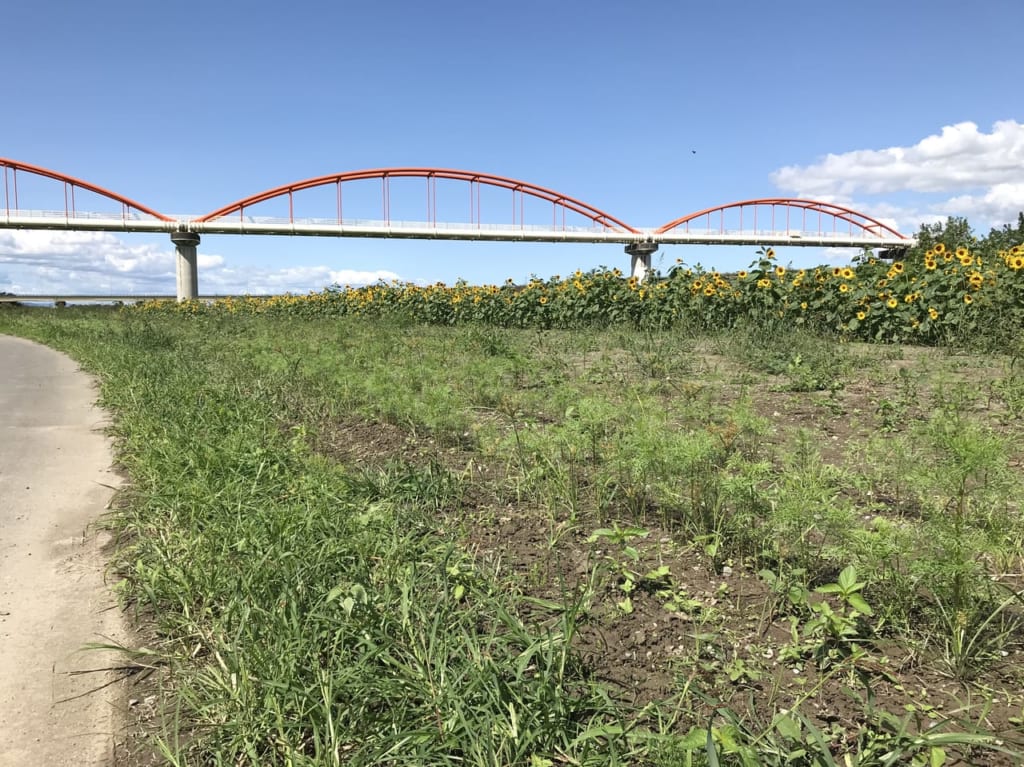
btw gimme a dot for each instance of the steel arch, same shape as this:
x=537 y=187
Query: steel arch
x=855 y=218
x=599 y=217
x=69 y=182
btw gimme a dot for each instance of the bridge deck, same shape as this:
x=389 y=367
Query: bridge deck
x=443 y=231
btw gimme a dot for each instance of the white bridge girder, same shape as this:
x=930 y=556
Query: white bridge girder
x=185 y=232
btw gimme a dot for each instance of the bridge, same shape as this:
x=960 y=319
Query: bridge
x=427 y=203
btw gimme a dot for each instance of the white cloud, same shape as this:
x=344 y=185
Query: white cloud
x=839 y=255
x=43 y=262
x=982 y=172
x=960 y=157
x=1001 y=202
x=296 y=279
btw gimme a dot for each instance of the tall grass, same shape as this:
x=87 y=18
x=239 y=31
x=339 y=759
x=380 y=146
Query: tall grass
x=310 y=612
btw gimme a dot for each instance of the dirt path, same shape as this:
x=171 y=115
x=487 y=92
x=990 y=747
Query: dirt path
x=54 y=480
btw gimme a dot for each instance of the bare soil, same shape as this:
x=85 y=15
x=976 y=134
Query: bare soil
x=727 y=643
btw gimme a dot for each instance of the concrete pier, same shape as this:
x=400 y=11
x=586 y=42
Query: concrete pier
x=640 y=254
x=185 y=244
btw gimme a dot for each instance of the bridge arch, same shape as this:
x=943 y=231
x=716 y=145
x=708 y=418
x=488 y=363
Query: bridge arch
x=854 y=220
x=10 y=190
x=558 y=200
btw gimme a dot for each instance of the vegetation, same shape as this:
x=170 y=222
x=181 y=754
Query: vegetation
x=358 y=539
x=942 y=291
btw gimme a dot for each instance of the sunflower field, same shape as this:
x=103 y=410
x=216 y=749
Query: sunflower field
x=935 y=295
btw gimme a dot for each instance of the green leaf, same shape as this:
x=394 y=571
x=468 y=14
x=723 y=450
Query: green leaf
x=788 y=726
x=334 y=593
x=709 y=747
x=848 y=578
x=856 y=601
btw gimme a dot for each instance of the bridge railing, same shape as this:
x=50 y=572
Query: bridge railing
x=76 y=215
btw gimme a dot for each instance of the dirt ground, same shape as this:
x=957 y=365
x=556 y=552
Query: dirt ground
x=60 y=704
x=727 y=642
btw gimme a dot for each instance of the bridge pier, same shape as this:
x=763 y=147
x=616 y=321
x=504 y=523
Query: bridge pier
x=185 y=244
x=640 y=257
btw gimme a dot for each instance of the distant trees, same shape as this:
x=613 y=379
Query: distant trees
x=956 y=232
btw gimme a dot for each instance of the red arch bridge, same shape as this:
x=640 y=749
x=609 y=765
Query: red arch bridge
x=444 y=204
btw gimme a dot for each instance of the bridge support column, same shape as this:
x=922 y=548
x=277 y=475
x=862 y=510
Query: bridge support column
x=640 y=257
x=185 y=244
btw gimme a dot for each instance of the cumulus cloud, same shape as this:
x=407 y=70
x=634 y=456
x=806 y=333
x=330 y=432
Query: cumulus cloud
x=975 y=174
x=960 y=157
x=1001 y=202
x=98 y=263
x=296 y=279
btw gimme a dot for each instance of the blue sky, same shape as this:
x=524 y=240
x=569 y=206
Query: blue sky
x=907 y=110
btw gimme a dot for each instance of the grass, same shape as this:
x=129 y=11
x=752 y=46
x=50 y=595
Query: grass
x=377 y=542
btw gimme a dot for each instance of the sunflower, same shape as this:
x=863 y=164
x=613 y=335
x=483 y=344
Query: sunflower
x=940 y=248
x=780 y=271
x=742 y=274
x=1016 y=262
x=770 y=253
x=897 y=267
x=847 y=273
x=709 y=290
x=962 y=252
x=837 y=271
x=892 y=303
x=844 y=288
x=933 y=313
x=861 y=316
x=803 y=305
x=764 y=283
x=930 y=264
x=543 y=300
x=967 y=299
